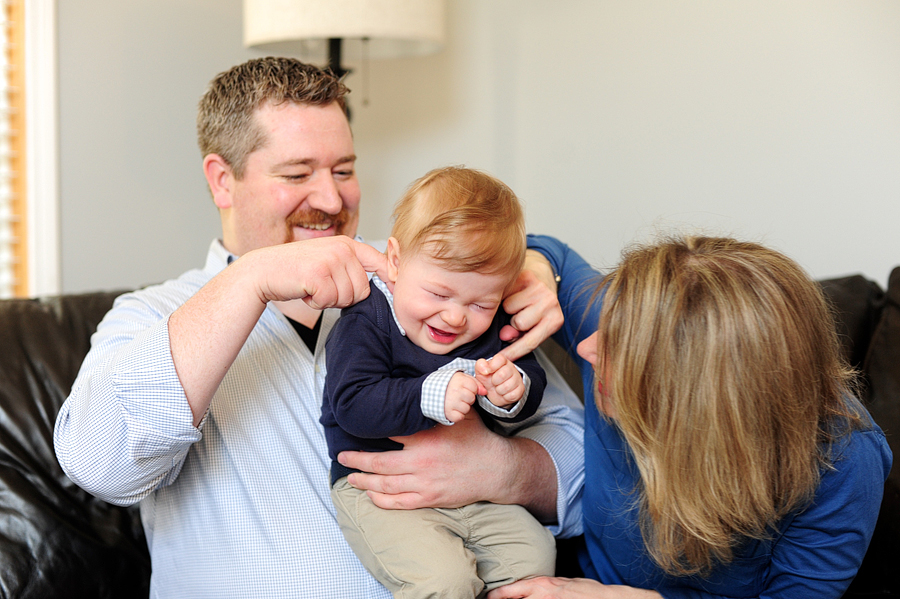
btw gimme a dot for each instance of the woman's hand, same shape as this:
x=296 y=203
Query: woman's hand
x=534 y=308
x=545 y=587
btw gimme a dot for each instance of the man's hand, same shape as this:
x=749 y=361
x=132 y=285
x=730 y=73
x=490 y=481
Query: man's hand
x=452 y=466
x=445 y=466
x=533 y=306
x=460 y=395
x=500 y=380
x=329 y=272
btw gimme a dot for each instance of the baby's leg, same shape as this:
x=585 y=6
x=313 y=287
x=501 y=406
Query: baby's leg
x=508 y=543
x=414 y=553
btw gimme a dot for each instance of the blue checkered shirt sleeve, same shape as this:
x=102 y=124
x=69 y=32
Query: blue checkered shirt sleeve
x=434 y=391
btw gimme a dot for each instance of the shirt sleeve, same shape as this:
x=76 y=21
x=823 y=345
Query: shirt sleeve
x=823 y=546
x=558 y=427
x=434 y=391
x=126 y=427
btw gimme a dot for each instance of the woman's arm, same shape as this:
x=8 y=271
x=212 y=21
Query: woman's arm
x=822 y=547
x=578 y=293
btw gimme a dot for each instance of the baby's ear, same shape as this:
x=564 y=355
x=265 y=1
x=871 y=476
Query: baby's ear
x=393 y=259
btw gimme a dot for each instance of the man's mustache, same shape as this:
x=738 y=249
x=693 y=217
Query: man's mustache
x=311 y=218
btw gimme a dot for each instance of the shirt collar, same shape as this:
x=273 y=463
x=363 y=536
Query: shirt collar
x=382 y=286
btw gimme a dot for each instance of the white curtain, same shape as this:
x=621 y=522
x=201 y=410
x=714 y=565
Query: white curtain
x=7 y=241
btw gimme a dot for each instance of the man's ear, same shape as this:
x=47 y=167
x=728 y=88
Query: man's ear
x=393 y=259
x=220 y=179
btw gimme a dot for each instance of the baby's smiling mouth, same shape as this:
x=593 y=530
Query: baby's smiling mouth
x=441 y=336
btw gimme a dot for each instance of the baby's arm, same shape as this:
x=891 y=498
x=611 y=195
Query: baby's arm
x=500 y=381
x=460 y=396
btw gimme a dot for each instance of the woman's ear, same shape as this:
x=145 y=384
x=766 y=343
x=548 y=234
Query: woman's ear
x=393 y=259
x=220 y=179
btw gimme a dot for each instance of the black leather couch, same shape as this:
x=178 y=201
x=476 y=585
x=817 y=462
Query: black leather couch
x=58 y=541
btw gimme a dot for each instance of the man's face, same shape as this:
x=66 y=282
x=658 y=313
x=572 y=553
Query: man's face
x=301 y=184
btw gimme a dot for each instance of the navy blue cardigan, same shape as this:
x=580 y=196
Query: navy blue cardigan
x=374 y=379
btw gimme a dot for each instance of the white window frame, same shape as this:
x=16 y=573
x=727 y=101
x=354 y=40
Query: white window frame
x=42 y=148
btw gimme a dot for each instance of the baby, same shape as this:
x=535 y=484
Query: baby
x=422 y=349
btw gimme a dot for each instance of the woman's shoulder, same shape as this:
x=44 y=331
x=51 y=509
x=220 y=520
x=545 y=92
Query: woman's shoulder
x=861 y=455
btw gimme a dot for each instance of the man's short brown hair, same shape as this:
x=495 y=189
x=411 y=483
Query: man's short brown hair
x=225 y=118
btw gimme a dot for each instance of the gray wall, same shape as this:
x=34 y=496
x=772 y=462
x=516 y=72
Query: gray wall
x=776 y=121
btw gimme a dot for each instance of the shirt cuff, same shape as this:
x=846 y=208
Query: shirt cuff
x=558 y=426
x=158 y=417
x=510 y=411
x=434 y=390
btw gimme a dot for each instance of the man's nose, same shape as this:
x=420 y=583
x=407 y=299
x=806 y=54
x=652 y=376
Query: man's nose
x=325 y=195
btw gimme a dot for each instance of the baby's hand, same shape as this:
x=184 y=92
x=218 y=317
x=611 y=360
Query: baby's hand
x=501 y=381
x=460 y=396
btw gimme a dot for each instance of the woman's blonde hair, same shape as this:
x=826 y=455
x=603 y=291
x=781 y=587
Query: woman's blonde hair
x=722 y=365
x=464 y=219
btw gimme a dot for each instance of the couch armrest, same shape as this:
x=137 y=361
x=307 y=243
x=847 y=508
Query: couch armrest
x=55 y=539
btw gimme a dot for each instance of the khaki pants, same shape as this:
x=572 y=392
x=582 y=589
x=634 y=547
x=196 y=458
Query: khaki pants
x=462 y=552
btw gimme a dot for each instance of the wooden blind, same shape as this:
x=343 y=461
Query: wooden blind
x=13 y=265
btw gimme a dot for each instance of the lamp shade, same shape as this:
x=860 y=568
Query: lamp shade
x=393 y=28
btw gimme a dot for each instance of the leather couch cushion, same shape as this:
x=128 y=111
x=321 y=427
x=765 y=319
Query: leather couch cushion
x=869 y=324
x=55 y=539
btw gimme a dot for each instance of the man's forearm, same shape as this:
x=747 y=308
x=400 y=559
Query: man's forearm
x=208 y=331
x=531 y=479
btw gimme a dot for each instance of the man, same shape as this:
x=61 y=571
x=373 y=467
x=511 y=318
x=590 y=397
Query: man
x=200 y=400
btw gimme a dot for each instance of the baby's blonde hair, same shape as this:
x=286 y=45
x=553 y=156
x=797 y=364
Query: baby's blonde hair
x=464 y=219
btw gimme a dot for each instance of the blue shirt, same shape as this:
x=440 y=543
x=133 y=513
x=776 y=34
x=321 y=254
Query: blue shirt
x=239 y=506
x=815 y=552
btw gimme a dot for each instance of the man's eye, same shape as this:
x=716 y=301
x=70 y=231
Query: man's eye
x=296 y=177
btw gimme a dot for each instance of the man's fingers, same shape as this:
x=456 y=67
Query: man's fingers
x=403 y=501
x=389 y=492
x=371 y=461
x=372 y=260
x=389 y=485
x=343 y=288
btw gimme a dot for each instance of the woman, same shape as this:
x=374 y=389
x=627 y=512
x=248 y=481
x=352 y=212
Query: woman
x=726 y=455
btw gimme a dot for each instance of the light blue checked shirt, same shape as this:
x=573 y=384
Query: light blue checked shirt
x=241 y=506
